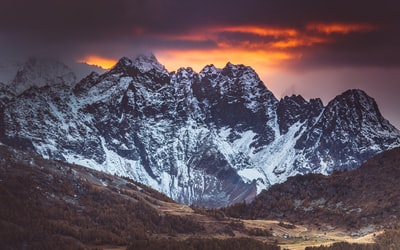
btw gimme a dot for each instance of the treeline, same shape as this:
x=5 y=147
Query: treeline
x=202 y=244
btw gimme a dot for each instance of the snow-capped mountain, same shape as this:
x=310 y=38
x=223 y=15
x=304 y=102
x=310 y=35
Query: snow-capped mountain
x=210 y=138
x=17 y=76
x=41 y=72
x=8 y=69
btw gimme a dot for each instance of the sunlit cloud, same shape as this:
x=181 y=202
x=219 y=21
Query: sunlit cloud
x=252 y=45
x=262 y=47
x=300 y=42
x=213 y=33
x=95 y=60
x=341 y=28
x=257 y=30
x=259 y=46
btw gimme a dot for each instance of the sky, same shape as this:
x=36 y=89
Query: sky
x=308 y=47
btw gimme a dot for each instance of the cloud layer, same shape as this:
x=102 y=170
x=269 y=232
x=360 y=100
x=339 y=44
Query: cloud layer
x=311 y=47
x=321 y=33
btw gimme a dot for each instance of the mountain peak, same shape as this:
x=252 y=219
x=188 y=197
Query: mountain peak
x=355 y=99
x=40 y=72
x=125 y=61
x=210 y=70
x=350 y=128
x=122 y=64
x=147 y=63
x=357 y=95
x=294 y=98
x=354 y=92
x=229 y=65
x=147 y=57
x=245 y=73
x=293 y=109
x=232 y=66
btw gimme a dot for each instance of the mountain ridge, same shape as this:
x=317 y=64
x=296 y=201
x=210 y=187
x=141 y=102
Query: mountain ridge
x=365 y=197
x=211 y=138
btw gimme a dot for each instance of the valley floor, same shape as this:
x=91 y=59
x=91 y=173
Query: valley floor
x=300 y=237
x=297 y=238
x=286 y=235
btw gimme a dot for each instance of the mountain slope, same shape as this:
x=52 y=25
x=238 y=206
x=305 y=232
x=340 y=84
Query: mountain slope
x=368 y=196
x=211 y=138
x=48 y=204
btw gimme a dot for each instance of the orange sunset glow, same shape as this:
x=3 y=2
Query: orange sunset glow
x=257 y=30
x=257 y=59
x=95 y=60
x=263 y=53
x=341 y=28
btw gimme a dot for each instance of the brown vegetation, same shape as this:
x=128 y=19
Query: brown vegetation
x=51 y=205
x=352 y=199
x=36 y=211
x=200 y=244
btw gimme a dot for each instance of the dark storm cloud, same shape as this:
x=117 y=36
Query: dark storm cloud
x=112 y=27
x=98 y=18
x=71 y=20
x=65 y=27
x=376 y=48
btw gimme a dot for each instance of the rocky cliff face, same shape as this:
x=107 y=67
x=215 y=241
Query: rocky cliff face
x=210 y=138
